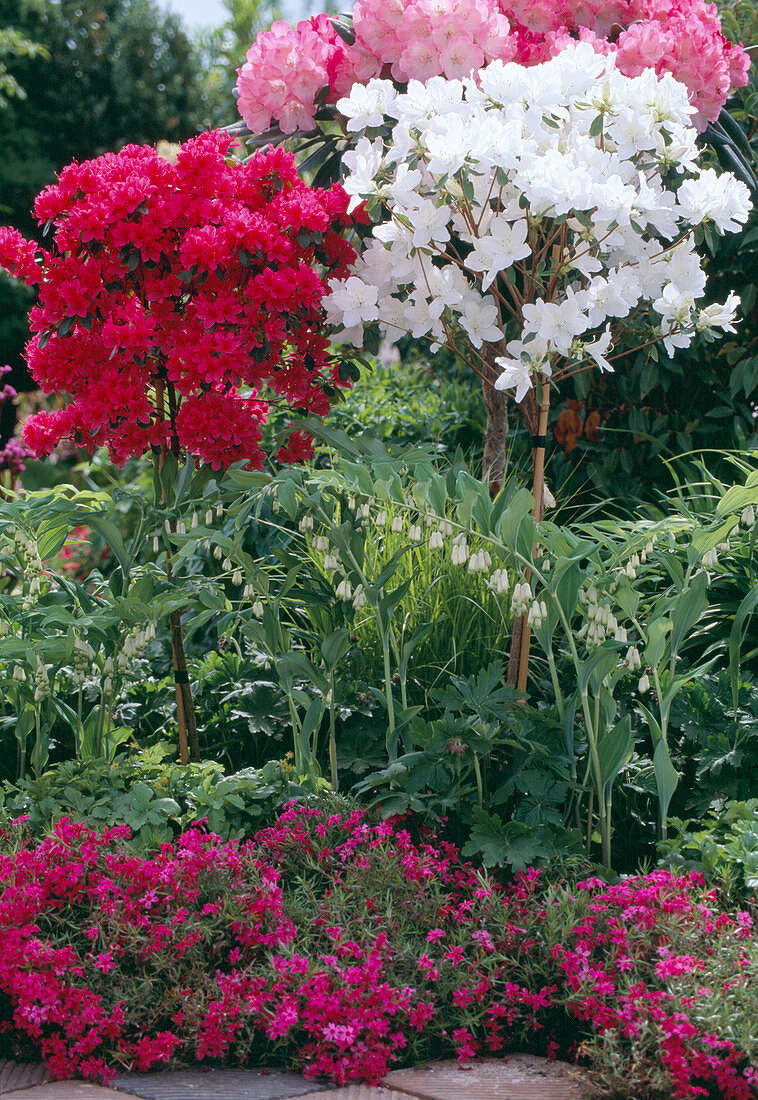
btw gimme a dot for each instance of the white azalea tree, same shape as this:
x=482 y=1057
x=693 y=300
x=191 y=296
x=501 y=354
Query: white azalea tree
x=538 y=221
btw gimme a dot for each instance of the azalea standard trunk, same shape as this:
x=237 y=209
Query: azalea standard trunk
x=495 y=430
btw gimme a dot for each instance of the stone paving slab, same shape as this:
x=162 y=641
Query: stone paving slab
x=62 y=1090
x=357 y=1092
x=20 y=1075
x=231 y=1084
x=515 y=1077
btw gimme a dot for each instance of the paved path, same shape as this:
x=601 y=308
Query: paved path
x=517 y=1077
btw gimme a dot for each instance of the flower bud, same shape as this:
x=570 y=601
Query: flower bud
x=344 y=590
x=498 y=582
x=633 y=661
x=459 y=554
x=257 y=609
x=747 y=519
x=644 y=684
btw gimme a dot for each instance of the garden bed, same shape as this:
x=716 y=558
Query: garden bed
x=341 y=947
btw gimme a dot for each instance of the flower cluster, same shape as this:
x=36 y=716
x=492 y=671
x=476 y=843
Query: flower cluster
x=173 y=293
x=287 y=68
x=556 y=203
x=207 y=950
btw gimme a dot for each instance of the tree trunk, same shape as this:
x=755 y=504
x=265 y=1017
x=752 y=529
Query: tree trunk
x=495 y=431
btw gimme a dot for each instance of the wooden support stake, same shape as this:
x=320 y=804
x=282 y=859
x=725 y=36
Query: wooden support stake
x=518 y=668
x=185 y=709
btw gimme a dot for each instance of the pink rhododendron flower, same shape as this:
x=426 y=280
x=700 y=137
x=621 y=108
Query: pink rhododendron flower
x=287 y=67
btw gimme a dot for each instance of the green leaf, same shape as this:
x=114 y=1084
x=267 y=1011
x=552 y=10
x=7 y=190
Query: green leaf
x=334 y=647
x=614 y=752
x=498 y=843
x=113 y=738
x=657 y=635
x=310 y=726
x=652 y=722
x=389 y=604
x=286 y=494
x=24 y=724
x=736 y=635
x=108 y=530
x=167 y=474
x=184 y=480
x=666 y=776
x=437 y=494
x=594 y=670
x=687 y=609
x=513 y=516
x=50 y=539
x=596 y=126
x=566 y=589
x=627 y=598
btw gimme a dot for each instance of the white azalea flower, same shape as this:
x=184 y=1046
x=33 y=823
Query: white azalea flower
x=516 y=376
x=367 y=104
x=719 y=315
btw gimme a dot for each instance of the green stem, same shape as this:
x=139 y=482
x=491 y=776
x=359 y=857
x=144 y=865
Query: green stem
x=391 y=746
x=295 y=736
x=22 y=758
x=79 y=732
x=479 y=785
x=100 y=727
x=556 y=685
x=37 y=746
x=332 y=736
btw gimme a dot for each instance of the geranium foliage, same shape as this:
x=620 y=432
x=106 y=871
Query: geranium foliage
x=174 y=293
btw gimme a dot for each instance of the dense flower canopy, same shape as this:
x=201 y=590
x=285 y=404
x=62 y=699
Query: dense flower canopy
x=555 y=203
x=288 y=68
x=173 y=293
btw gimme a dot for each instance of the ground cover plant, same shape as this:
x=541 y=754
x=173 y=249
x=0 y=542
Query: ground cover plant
x=342 y=946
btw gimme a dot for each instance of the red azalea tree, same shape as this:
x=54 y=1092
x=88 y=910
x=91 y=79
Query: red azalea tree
x=173 y=293
x=177 y=302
